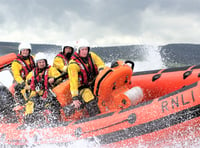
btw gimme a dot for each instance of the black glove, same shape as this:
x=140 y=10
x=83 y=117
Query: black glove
x=29 y=82
x=76 y=98
x=19 y=86
x=80 y=99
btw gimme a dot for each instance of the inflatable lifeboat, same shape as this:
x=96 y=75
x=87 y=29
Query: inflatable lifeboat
x=136 y=107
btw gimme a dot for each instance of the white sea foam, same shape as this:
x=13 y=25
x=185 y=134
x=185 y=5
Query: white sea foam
x=153 y=61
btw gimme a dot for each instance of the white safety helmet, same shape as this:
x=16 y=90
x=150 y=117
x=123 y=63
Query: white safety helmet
x=82 y=43
x=24 y=45
x=68 y=44
x=40 y=56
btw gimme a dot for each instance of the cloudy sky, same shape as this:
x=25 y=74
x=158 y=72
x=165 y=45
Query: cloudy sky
x=101 y=22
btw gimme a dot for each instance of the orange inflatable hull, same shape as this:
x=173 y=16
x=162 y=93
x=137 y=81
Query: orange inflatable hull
x=170 y=105
x=156 y=120
x=160 y=82
x=6 y=60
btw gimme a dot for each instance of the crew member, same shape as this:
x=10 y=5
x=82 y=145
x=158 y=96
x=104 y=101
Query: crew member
x=61 y=60
x=20 y=69
x=40 y=97
x=83 y=68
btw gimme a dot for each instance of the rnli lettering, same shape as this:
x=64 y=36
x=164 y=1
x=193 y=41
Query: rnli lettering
x=176 y=102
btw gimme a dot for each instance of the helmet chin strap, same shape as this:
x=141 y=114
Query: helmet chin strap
x=42 y=69
x=25 y=57
x=68 y=55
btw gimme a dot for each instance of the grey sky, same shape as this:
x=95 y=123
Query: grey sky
x=101 y=22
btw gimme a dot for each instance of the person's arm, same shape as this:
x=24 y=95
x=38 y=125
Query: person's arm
x=16 y=68
x=97 y=61
x=52 y=74
x=28 y=80
x=73 y=70
x=27 y=90
x=59 y=64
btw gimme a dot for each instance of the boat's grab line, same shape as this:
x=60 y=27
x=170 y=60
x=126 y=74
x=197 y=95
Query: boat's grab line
x=149 y=127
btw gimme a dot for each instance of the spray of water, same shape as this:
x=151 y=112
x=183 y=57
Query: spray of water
x=152 y=61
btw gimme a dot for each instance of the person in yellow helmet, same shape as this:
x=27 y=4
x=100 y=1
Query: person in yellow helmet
x=40 y=97
x=83 y=67
x=20 y=68
x=62 y=59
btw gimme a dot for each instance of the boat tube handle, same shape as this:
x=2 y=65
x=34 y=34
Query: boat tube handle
x=4 y=67
x=186 y=74
x=130 y=62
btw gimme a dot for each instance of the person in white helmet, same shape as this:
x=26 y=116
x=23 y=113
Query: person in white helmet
x=40 y=80
x=20 y=68
x=62 y=59
x=83 y=67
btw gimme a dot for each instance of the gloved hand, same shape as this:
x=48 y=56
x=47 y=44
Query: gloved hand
x=76 y=101
x=76 y=98
x=29 y=107
x=20 y=86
